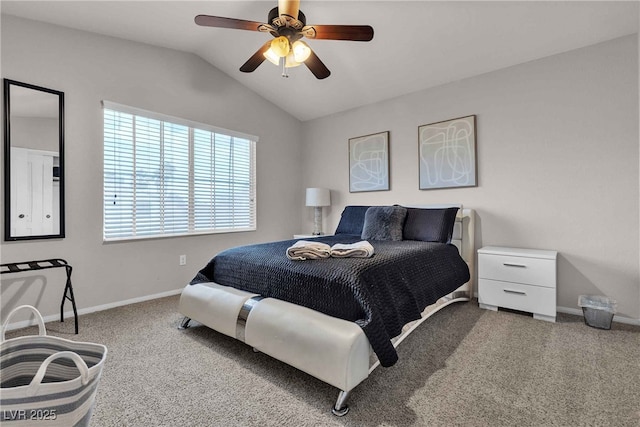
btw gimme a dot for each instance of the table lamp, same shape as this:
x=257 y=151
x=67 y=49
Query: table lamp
x=318 y=197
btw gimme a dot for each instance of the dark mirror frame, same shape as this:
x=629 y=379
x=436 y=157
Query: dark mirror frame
x=7 y=160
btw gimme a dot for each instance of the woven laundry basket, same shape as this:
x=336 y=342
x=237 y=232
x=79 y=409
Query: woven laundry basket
x=46 y=380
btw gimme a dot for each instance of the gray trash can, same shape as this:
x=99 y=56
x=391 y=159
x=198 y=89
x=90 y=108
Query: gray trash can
x=598 y=310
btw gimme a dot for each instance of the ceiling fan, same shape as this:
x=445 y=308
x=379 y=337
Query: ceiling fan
x=288 y=25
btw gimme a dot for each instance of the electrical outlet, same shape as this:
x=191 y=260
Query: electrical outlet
x=183 y=260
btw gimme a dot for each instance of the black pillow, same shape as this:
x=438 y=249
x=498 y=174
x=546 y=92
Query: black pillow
x=352 y=220
x=384 y=223
x=430 y=225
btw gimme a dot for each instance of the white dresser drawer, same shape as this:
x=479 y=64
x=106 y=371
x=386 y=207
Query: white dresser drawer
x=517 y=269
x=534 y=299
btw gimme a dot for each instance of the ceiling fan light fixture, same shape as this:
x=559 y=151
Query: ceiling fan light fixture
x=272 y=57
x=280 y=46
x=301 y=51
x=287 y=24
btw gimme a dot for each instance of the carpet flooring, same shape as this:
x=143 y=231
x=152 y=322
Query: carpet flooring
x=465 y=366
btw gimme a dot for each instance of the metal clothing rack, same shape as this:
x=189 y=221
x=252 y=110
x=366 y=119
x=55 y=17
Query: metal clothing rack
x=19 y=267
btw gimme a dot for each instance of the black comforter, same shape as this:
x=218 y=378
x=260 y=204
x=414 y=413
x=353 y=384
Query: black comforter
x=381 y=294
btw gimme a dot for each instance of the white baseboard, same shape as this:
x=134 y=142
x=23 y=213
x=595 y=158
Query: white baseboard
x=69 y=314
x=616 y=318
x=578 y=312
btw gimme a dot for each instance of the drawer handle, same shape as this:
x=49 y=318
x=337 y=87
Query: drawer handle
x=510 y=264
x=511 y=291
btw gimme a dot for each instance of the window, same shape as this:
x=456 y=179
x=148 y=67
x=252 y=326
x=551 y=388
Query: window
x=165 y=176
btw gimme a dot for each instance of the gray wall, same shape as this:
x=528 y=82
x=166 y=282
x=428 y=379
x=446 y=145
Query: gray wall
x=89 y=68
x=37 y=133
x=557 y=162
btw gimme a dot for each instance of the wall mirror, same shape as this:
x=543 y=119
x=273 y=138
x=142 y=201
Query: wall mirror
x=34 y=162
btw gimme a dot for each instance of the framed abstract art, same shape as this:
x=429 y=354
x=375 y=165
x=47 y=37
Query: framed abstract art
x=447 y=154
x=369 y=163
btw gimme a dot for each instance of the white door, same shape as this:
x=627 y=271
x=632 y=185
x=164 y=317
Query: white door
x=31 y=192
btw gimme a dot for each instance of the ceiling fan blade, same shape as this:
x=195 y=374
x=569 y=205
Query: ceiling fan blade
x=360 y=33
x=221 y=22
x=289 y=8
x=256 y=59
x=317 y=67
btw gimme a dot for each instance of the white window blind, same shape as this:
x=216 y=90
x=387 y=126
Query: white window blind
x=165 y=176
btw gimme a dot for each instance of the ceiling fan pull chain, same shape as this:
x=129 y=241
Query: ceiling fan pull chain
x=283 y=60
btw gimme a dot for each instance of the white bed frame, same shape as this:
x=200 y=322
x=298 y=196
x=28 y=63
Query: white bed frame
x=333 y=350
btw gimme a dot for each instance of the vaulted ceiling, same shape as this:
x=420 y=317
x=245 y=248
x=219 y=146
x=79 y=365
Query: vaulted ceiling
x=416 y=44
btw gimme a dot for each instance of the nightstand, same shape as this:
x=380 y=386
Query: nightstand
x=520 y=279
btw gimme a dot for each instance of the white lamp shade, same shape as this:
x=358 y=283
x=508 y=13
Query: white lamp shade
x=318 y=197
x=301 y=51
x=272 y=57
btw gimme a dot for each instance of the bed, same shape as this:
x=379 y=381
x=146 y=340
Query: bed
x=338 y=319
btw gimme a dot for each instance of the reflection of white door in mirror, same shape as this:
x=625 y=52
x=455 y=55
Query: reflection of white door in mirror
x=37 y=192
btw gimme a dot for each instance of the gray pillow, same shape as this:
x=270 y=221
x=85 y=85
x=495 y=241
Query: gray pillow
x=384 y=223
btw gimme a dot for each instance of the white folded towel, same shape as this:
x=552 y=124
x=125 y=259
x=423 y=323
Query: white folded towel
x=305 y=249
x=362 y=249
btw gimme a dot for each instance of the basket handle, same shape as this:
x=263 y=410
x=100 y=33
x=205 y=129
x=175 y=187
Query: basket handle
x=80 y=364
x=42 y=331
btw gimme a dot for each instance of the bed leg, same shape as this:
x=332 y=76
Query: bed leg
x=185 y=323
x=340 y=409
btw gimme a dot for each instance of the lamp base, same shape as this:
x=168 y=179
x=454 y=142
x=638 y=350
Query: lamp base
x=317 y=221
